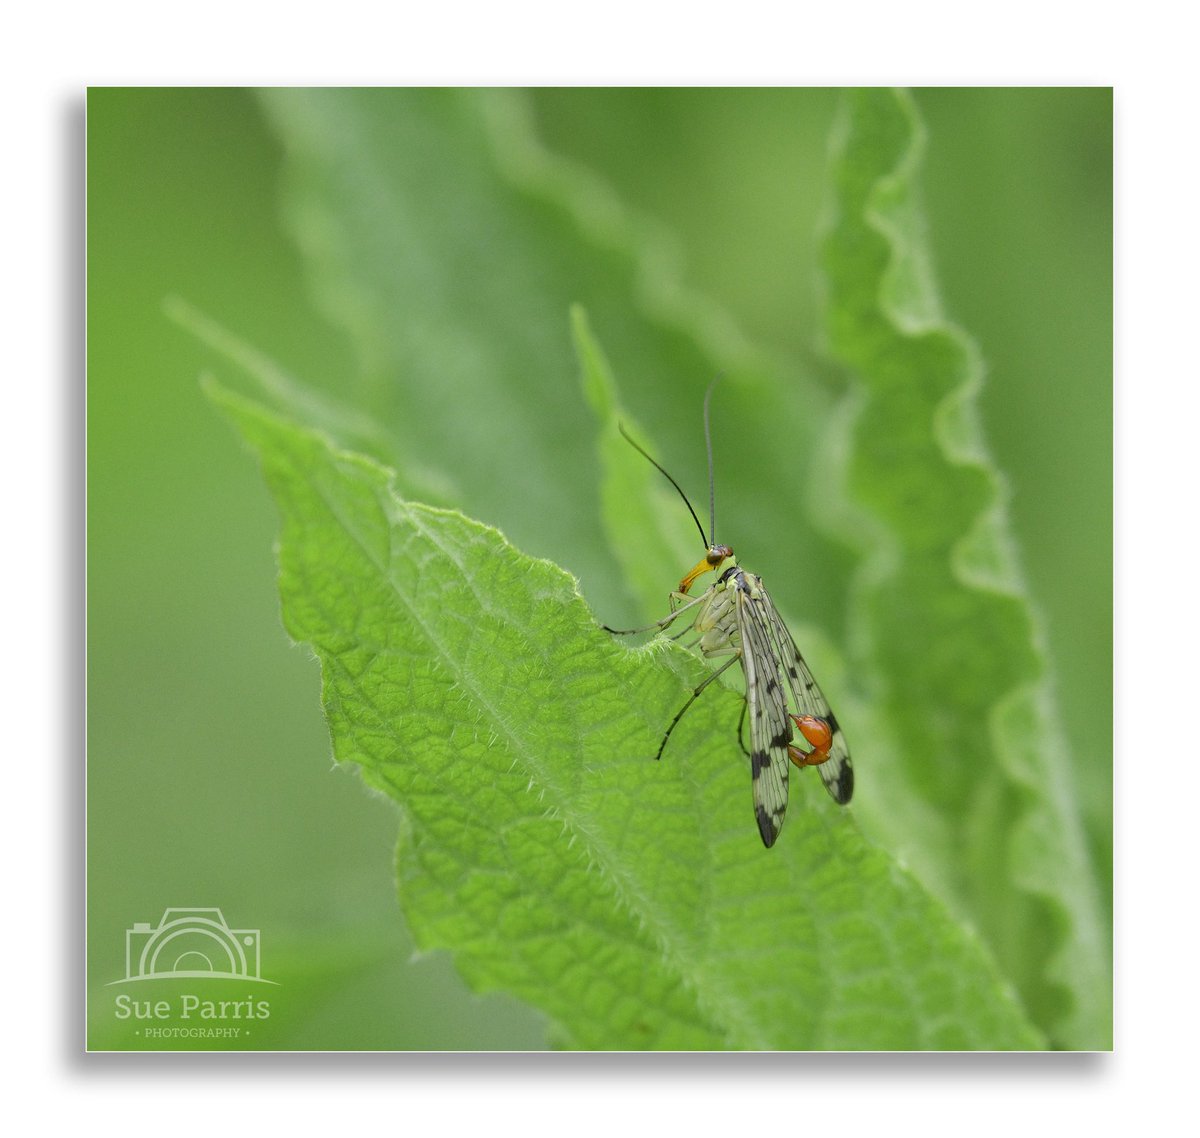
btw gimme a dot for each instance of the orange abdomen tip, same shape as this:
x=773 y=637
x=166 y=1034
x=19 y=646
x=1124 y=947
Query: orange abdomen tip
x=815 y=730
x=818 y=734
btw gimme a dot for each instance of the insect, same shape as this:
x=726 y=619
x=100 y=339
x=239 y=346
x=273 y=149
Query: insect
x=735 y=617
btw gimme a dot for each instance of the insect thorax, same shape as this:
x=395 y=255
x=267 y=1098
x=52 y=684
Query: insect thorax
x=717 y=619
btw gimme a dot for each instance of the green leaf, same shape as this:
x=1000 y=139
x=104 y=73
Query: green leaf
x=978 y=779
x=632 y=901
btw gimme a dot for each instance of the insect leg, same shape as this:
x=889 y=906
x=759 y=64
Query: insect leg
x=666 y=621
x=692 y=699
x=741 y=724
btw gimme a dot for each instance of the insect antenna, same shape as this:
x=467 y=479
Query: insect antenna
x=629 y=439
x=712 y=492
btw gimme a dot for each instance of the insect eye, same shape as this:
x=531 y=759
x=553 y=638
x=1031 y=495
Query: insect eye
x=718 y=553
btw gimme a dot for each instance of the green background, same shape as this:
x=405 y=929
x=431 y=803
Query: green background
x=209 y=772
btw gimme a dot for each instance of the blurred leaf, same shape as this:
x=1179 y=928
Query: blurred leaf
x=630 y=900
x=978 y=789
x=450 y=243
x=650 y=532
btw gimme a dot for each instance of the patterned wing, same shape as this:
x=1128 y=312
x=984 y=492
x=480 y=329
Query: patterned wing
x=770 y=728
x=836 y=772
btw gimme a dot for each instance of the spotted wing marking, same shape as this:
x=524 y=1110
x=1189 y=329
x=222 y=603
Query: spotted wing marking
x=770 y=728
x=837 y=772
